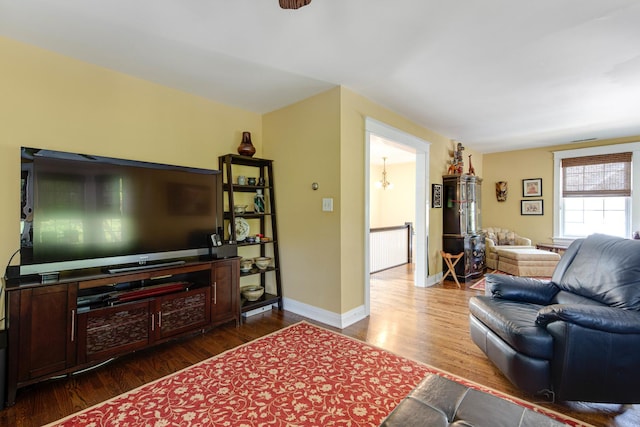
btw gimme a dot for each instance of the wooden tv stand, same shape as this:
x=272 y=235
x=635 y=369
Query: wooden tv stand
x=81 y=321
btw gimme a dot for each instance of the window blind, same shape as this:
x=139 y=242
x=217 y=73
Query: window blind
x=604 y=175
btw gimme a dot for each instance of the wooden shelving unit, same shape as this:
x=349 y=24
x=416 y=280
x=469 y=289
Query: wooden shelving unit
x=263 y=223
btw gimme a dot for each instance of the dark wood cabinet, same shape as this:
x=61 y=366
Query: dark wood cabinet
x=78 y=322
x=462 y=223
x=225 y=294
x=179 y=313
x=472 y=265
x=111 y=331
x=42 y=333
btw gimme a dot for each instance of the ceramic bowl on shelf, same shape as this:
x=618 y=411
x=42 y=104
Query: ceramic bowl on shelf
x=245 y=265
x=262 y=262
x=240 y=209
x=252 y=293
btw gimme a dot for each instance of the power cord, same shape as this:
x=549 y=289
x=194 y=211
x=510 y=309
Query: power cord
x=9 y=264
x=5 y=277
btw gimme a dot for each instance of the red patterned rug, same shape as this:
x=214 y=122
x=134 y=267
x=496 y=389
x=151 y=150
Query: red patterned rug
x=480 y=284
x=302 y=375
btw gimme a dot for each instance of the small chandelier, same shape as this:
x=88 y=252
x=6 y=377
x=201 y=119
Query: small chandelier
x=384 y=183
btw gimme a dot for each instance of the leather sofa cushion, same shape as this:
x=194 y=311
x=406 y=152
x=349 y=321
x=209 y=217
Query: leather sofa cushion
x=525 y=289
x=515 y=323
x=564 y=297
x=605 y=269
x=439 y=402
x=595 y=318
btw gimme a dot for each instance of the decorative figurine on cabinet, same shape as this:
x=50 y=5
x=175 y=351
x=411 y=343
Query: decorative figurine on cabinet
x=456 y=166
x=472 y=170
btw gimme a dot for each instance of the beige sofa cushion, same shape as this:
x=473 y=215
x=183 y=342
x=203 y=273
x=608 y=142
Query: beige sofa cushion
x=506 y=238
x=527 y=262
x=503 y=237
x=524 y=255
x=497 y=238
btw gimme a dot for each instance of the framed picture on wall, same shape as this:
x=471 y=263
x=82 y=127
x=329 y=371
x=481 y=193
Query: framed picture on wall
x=531 y=207
x=532 y=187
x=436 y=195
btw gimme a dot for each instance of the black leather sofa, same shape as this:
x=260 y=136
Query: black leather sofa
x=574 y=337
x=439 y=402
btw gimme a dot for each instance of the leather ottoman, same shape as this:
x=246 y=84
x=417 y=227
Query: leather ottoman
x=437 y=401
x=527 y=262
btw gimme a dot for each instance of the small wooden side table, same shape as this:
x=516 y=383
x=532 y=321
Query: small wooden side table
x=551 y=247
x=451 y=261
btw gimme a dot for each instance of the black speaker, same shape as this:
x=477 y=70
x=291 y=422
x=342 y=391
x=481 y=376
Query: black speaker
x=224 y=251
x=218 y=249
x=13 y=272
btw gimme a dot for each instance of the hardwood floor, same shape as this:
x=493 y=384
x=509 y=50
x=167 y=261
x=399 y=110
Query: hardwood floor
x=425 y=324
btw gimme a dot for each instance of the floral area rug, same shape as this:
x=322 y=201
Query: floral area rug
x=480 y=284
x=302 y=375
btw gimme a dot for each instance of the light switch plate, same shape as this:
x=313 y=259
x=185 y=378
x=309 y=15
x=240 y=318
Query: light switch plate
x=327 y=205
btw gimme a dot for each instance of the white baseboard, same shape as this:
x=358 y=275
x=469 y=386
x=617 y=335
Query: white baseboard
x=435 y=279
x=431 y=280
x=324 y=316
x=334 y=319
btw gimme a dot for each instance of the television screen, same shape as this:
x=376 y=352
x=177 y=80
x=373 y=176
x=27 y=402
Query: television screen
x=82 y=211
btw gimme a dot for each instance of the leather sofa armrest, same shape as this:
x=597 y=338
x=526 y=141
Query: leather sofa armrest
x=602 y=318
x=526 y=289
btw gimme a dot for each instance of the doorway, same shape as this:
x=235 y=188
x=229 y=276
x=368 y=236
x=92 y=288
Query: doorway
x=419 y=150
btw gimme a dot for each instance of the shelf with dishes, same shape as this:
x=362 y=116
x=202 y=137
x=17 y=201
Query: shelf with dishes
x=255 y=270
x=242 y=236
x=245 y=188
x=250 y=223
x=247 y=214
x=264 y=300
x=248 y=242
x=257 y=265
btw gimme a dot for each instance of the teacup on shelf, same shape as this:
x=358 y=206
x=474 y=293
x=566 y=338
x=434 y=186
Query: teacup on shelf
x=240 y=209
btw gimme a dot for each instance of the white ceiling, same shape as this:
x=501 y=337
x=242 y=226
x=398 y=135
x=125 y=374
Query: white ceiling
x=382 y=149
x=495 y=75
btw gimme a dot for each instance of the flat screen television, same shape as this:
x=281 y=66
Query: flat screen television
x=80 y=211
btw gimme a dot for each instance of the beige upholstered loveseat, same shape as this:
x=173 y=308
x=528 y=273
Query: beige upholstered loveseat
x=499 y=238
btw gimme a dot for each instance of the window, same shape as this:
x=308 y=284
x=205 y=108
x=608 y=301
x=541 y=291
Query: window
x=594 y=192
x=587 y=215
x=605 y=175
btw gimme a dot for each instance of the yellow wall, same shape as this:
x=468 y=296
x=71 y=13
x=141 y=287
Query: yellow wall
x=354 y=110
x=393 y=206
x=513 y=167
x=304 y=141
x=322 y=139
x=52 y=101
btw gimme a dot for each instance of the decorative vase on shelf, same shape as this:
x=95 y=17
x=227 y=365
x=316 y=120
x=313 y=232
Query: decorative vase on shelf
x=258 y=202
x=246 y=148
